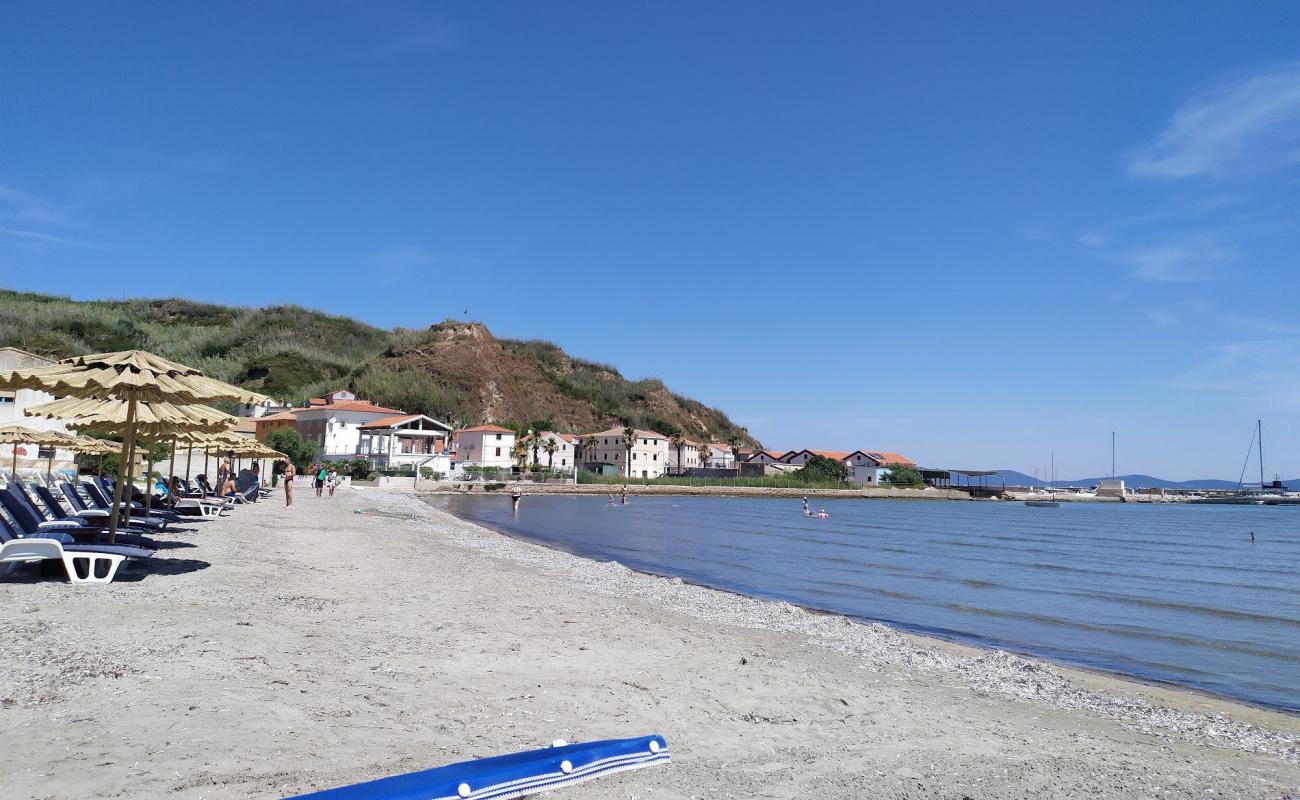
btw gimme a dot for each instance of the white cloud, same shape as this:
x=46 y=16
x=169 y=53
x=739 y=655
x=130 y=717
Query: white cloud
x=19 y=206
x=1163 y=319
x=1261 y=369
x=41 y=238
x=1190 y=258
x=1244 y=125
x=395 y=263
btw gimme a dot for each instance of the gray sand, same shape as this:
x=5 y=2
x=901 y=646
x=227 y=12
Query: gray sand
x=321 y=647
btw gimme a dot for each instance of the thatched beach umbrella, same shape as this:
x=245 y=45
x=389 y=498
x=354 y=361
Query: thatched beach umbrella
x=154 y=422
x=15 y=435
x=133 y=376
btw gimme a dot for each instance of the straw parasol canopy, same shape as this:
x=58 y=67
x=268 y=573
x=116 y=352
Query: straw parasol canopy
x=134 y=376
x=153 y=420
x=19 y=434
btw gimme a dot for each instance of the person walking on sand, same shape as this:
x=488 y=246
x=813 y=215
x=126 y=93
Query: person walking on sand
x=320 y=480
x=332 y=479
x=289 y=473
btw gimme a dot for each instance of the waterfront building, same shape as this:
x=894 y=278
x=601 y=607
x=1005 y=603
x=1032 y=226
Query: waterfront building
x=406 y=440
x=649 y=455
x=14 y=403
x=486 y=446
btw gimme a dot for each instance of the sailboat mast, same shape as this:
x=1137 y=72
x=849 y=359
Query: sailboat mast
x=1259 y=429
x=1112 y=454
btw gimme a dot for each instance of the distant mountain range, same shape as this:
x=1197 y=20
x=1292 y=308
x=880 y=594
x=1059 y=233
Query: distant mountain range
x=1134 y=482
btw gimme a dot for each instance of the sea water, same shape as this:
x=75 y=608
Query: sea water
x=1174 y=593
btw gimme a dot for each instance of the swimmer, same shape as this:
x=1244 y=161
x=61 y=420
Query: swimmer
x=514 y=500
x=807 y=512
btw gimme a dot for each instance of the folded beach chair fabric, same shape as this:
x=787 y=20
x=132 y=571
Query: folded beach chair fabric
x=83 y=563
x=509 y=776
x=29 y=520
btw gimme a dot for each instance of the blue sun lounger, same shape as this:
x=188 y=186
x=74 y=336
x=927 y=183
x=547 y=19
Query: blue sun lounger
x=83 y=563
x=29 y=520
x=509 y=776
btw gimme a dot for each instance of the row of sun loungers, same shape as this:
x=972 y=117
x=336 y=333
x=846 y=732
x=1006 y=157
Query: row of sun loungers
x=60 y=521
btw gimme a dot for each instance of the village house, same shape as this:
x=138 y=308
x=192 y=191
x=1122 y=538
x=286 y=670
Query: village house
x=332 y=422
x=649 y=453
x=692 y=456
x=565 y=455
x=486 y=446
x=766 y=457
x=13 y=404
x=871 y=466
x=719 y=456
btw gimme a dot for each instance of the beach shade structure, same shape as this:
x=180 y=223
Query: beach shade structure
x=155 y=421
x=130 y=375
x=510 y=776
x=15 y=435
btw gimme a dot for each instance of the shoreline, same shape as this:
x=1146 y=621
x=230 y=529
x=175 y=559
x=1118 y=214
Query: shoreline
x=279 y=651
x=1104 y=679
x=924 y=636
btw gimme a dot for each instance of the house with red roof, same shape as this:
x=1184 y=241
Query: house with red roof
x=648 y=453
x=486 y=446
x=406 y=440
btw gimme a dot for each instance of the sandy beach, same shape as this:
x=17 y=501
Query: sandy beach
x=284 y=650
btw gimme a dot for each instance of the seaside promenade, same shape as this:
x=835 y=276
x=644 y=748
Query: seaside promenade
x=284 y=650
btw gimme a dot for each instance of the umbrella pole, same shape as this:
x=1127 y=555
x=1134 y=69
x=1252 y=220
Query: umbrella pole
x=128 y=443
x=189 y=455
x=171 y=469
x=148 y=481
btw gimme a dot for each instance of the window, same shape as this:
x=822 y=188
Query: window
x=656 y=458
x=498 y=451
x=564 y=462
x=634 y=456
x=498 y=439
x=6 y=397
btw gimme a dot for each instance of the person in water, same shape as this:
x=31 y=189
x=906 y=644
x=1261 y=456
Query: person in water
x=611 y=500
x=625 y=494
x=514 y=500
x=806 y=511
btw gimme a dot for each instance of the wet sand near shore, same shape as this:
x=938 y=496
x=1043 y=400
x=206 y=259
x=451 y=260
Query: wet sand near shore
x=285 y=650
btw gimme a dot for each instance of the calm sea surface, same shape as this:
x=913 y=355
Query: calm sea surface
x=1168 y=592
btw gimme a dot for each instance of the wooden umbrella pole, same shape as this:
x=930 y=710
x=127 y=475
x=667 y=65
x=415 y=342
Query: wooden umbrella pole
x=148 y=481
x=171 y=470
x=189 y=455
x=128 y=445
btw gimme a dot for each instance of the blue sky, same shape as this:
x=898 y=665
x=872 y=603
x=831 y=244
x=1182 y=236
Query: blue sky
x=971 y=234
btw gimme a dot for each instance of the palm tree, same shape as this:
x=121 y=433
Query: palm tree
x=629 y=440
x=734 y=441
x=705 y=450
x=678 y=441
x=536 y=441
x=589 y=447
x=550 y=446
x=520 y=453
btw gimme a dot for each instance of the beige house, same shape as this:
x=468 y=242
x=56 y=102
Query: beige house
x=649 y=456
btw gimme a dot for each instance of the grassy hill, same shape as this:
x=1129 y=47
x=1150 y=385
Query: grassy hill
x=453 y=371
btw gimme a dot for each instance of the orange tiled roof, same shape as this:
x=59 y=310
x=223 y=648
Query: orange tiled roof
x=363 y=406
x=890 y=459
x=487 y=429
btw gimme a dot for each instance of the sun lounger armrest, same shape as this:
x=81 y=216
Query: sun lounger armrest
x=95 y=514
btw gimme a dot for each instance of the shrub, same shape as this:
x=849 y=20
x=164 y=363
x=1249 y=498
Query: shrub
x=291 y=443
x=492 y=487
x=821 y=469
x=904 y=476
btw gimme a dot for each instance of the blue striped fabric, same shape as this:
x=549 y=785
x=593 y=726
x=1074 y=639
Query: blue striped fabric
x=509 y=776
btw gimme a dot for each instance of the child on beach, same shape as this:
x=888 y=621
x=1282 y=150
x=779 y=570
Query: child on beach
x=289 y=473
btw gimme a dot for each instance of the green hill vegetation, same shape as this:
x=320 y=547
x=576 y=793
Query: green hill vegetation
x=453 y=371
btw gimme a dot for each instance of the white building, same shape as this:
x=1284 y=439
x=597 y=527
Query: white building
x=873 y=466
x=12 y=406
x=720 y=457
x=565 y=450
x=334 y=426
x=486 y=446
x=691 y=457
x=406 y=440
x=649 y=453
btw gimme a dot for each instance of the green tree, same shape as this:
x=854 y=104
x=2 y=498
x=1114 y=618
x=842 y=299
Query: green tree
x=535 y=443
x=291 y=443
x=629 y=441
x=550 y=446
x=520 y=453
x=904 y=476
x=821 y=469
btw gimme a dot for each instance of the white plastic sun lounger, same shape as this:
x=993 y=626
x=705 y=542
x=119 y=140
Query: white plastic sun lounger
x=510 y=776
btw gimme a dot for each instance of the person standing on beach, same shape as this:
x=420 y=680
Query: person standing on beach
x=289 y=473
x=332 y=479
x=320 y=480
